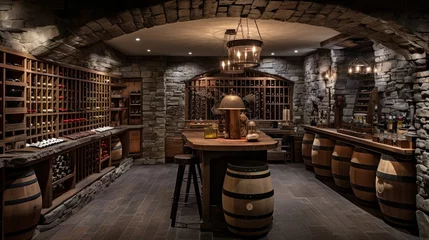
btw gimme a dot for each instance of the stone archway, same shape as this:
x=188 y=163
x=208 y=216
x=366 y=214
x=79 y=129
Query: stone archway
x=397 y=31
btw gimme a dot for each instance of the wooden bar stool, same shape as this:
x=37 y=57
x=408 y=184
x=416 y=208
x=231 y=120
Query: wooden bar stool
x=183 y=160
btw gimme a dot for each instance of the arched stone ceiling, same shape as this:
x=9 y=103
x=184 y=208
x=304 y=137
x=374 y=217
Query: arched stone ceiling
x=205 y=37
x=60 y=30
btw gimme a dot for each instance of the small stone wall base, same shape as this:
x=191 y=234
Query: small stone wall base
x=86 y=195
x=423 y=222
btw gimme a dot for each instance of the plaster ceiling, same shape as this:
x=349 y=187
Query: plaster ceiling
x=205 y=38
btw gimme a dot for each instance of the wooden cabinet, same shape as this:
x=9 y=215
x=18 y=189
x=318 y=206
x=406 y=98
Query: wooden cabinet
x=135 y=142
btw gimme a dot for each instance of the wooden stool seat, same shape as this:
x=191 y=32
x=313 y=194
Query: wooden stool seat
x=186 y=159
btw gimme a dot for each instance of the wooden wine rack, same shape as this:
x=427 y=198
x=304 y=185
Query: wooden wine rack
x=41 y=100
x=265 y=96
x=366 y=99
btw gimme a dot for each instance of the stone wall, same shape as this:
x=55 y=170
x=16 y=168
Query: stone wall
x=163 y=93
x=86 y=195
x=316 y=94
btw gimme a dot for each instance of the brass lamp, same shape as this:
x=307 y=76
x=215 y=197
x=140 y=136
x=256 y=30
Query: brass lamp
x=232 y=104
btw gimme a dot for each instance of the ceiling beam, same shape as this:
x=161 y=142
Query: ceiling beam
x=331 y=42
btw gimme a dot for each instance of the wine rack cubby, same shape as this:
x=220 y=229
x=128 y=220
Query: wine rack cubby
x=42 y=100
x=265 y=96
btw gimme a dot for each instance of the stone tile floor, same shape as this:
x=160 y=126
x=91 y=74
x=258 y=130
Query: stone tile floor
x=137 y=206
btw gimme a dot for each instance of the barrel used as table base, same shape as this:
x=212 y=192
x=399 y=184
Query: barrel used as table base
x=248 y=198
x=396 y=190
x=307 y=143
x=321 y=154
x=363 y=169
x=22 y=204
x=341 y=158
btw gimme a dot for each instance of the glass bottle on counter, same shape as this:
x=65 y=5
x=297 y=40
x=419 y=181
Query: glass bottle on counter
x=395 y=125
x=383 y=124
x=390 y=124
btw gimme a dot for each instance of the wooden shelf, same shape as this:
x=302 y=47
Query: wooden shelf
x=20 y=110
x=118 y=85
x=12 y=67
x=14 y=126
x=16 y=138
x=135 y=104
x=135 y=94
x=118 y=109
x=16 y=99
x=117 y=97
x=71 y=175
x=135 y=115
x=19 y=84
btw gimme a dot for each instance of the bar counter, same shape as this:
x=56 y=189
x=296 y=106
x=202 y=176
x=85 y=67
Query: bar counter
x=397 y=152
x=215 y=154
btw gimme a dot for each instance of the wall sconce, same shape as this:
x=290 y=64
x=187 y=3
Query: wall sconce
x=328 y=75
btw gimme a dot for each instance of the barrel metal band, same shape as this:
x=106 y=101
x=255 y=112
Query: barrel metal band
x=248 y=169
x=248 y=176
x=405 y=206
x=233 y=215
x=342 y=177
x=22 y=200
x=322 y=166
x=23 y=184
x=18 y=175
x=248 y=196
x=14 y=234
x=341 y=159
x=323 y=148
x=260 y=229
x=363 y=188
x=363 y=166
x=339 y=143
x=307 y=141
x=306 y=157
x=400 y=221
x=395 y=178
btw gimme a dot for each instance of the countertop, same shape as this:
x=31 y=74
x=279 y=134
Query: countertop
x=197 y=141
x=31 y=155
x=364 y=143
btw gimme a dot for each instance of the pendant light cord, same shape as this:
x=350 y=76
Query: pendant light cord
x=257 y=27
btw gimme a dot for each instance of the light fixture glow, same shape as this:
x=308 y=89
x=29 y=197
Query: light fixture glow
x=272 y=54
x=137 y=39
x=190 y=53
x=148 y=50
x=296 y=51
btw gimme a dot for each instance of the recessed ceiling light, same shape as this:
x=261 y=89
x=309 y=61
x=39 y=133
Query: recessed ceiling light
x=272 y=54
x=148 y=50
x=137 y=39
x=296 y=51
x=190 y=53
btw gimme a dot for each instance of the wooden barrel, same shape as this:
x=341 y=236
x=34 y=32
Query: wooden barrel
x=22 y=204
x=307 y=143
x=248 y=198
x=341 y=158
x=321 y=156
x=363 y=168
x=396 y=190
x=116 y=154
